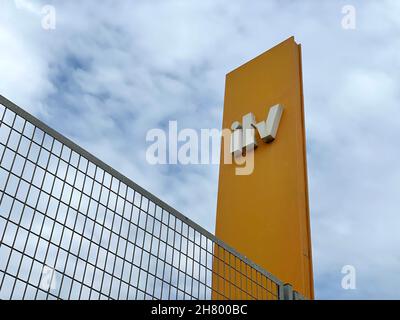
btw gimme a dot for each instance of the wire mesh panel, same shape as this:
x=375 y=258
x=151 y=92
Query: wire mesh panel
x=71 y=227
x=234 y=278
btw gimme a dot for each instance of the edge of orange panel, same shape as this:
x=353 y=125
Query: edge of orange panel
x=306 y=177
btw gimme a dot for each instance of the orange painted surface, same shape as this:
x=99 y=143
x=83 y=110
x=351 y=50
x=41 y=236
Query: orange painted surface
x=265 y=215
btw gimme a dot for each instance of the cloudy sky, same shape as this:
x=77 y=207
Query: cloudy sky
x=112 y=70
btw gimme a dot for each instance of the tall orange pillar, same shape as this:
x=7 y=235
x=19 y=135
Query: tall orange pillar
x=265 y=215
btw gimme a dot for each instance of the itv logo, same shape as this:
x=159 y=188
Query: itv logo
x=243 y=137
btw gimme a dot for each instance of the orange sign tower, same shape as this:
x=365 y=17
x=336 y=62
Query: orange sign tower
x=265 y=215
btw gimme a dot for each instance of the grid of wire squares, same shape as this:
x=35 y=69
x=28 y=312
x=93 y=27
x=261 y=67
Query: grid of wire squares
x=71 y=227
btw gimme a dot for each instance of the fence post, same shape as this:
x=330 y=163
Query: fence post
x=287 y=292
x=297 y=296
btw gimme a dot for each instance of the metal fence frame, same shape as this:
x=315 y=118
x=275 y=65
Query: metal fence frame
x=285 y=290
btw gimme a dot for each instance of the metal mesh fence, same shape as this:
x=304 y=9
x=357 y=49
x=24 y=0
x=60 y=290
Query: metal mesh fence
x=71 y=227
